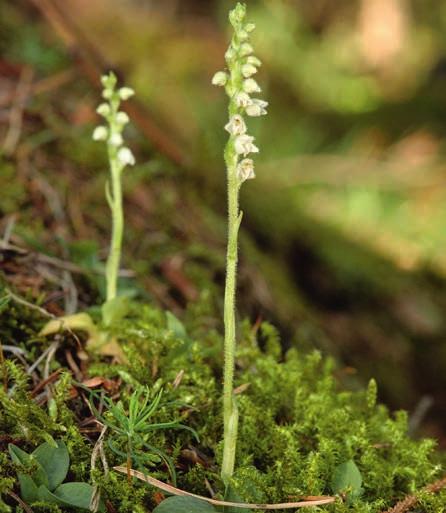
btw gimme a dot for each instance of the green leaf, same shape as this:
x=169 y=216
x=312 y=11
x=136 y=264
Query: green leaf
x=115 y=309
x=69 y=494
x=28 y=483
x=55 y=461
x=178 y=504
x=347 y=480
x=176 y=326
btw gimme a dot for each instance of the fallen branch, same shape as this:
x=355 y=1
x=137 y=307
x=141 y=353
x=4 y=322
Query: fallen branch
x=411 y=500
x=310 y=501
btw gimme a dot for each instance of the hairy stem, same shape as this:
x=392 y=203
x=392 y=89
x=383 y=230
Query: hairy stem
x=229 y=407
x=114 y=257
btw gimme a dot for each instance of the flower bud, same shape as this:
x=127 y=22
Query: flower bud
x=246 y=49
x=237 y=14
x=220 y=78
x=251 y=86
x=100 y=133
x=103 y=109
x=116 y=139
x=126 y=92
x=125 y=157
x=122 y=118
x=249 y=27
x=248 y=70
x=252 y=59
x=245 y=170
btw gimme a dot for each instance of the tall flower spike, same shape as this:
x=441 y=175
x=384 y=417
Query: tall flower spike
x=119 y=157
x=242 y=64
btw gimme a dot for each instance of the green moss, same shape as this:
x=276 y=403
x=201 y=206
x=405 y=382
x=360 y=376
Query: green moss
x=296 y=424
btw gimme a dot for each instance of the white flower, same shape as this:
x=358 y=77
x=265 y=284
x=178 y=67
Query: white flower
x=126 y=92
x=107 y=94
x=115 y=139
x=252 y=59
x=245 y=170
x=125 y=157
x=249 y=27
x=251 y=86
x=230 y=53
x=242 y=100
x=100 y=133
x=246 y=49
x=257 y=107
x=243 y=35
x=236 y=125
x=244 y=145
x=122 y=118
x=103 y=109
x=220 y=78
x=248 y=70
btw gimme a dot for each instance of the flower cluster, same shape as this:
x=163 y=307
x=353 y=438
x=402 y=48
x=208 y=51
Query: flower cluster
x=116 y=121
x=240 y=85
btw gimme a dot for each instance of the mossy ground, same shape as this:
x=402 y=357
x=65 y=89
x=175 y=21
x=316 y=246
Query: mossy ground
x=297 y=424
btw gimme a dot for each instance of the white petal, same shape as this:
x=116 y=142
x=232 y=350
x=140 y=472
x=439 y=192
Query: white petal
x=122 y=118
x=251 y=86
x=220 y=78
x=245 y=170
x=236 y=125
x=100 y=133
x=125 y=156
x=126 y=92
x=115 y=139
x=248 y=70
x=103 y=109
x=242 y=100
x=246 y=49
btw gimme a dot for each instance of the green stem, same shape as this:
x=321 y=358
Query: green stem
x=229 y=406
x=114 y=257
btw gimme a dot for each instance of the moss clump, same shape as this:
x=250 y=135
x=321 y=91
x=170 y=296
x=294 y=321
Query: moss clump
x=296 y=423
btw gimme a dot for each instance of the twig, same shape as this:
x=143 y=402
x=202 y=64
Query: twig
x=98 y=449
x=411 y=500
x=19 y=501
x=61 y=264
x=16 y=112
x=23 y=302
x=320 y=501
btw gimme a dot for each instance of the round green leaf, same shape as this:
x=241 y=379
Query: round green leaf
x=68 y=494
x=55 y=461
x=178 y=504
x=347 y=480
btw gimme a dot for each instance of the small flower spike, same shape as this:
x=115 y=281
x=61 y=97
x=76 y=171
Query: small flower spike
x=119 y=157
x=116 y=121
x=239 y=84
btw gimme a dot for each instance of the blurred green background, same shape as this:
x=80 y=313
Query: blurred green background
x=345 y=226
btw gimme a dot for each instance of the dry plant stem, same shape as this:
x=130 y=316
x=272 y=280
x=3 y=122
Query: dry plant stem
x=320 y=501
x=412 y=500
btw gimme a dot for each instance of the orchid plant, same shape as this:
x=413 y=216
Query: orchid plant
x=240 y=85
x=119 y=157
